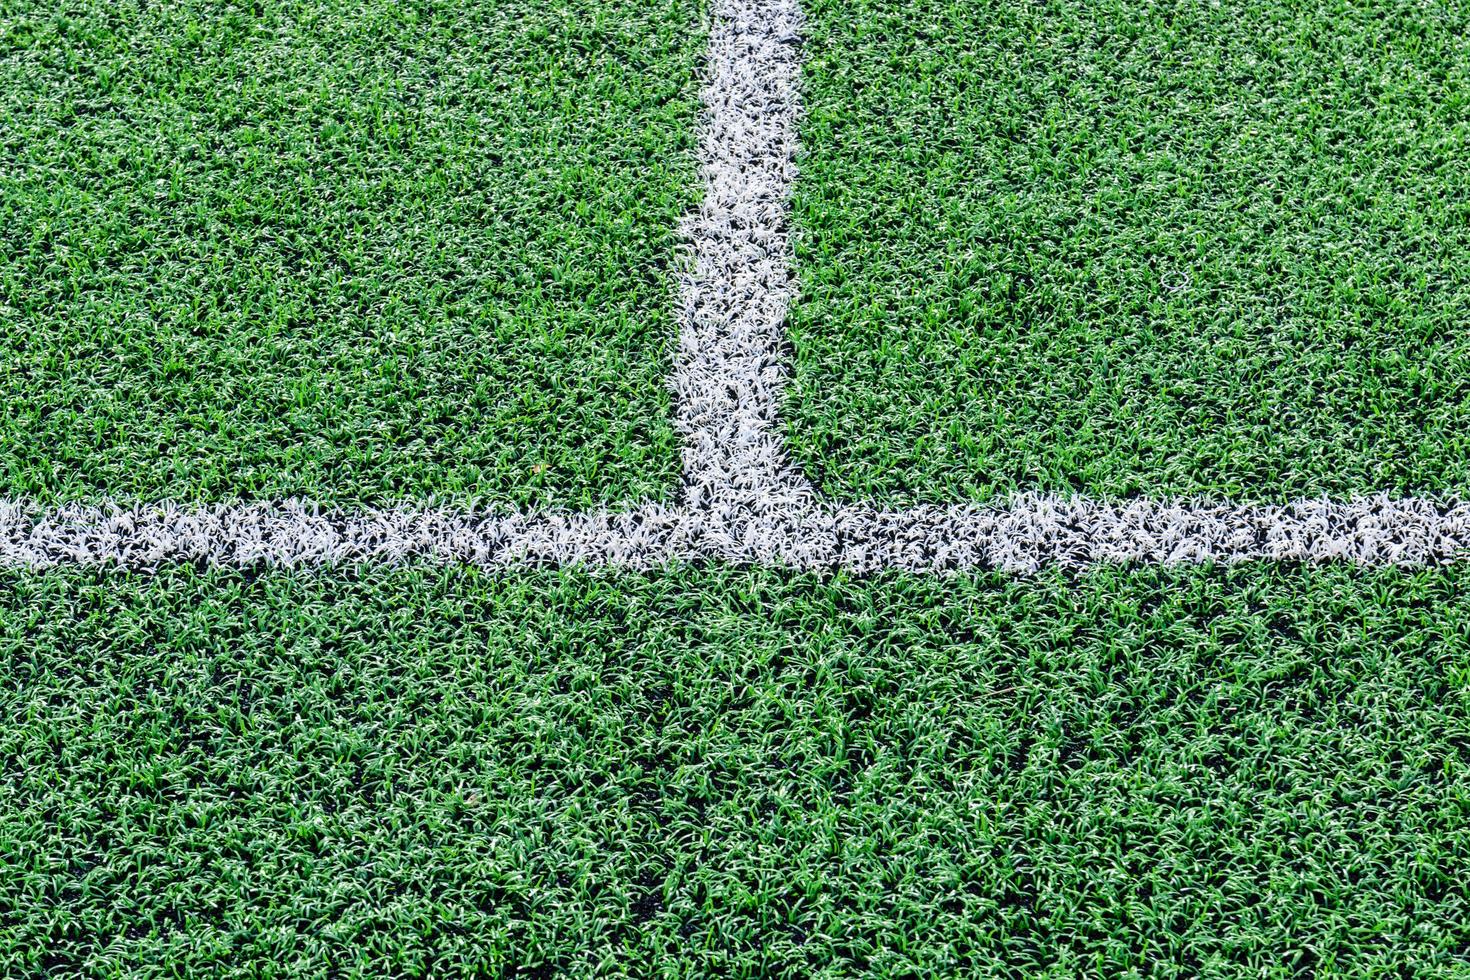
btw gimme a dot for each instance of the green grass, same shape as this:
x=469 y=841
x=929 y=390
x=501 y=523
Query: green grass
x=1245 y=772
x=1125 y=247
x=379 y=251
x=349 y=250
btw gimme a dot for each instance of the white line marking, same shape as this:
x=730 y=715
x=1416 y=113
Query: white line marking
x=1023 y=536
x=295 y=533
x=742 y=499
x=729 y=373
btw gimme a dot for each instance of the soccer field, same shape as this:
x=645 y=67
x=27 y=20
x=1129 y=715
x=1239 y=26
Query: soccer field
x=751 y=489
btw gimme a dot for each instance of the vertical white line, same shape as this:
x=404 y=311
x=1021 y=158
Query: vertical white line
x=729 y=371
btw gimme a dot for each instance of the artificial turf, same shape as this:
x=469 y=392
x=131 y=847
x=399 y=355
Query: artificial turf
x=383 y=251
x=357 y=251
x=1133 y=247
x=1255 y=771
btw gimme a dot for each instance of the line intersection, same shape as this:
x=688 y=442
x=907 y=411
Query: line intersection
x=742 y=499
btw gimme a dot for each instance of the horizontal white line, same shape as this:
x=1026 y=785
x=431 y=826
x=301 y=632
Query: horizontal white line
x=1023 y=535
x=1032 y=531
x=295 y=533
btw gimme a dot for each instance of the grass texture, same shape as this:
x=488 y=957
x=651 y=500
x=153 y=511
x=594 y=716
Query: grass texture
x=362 y=251
x=1133 y=247
x=1260 y=771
